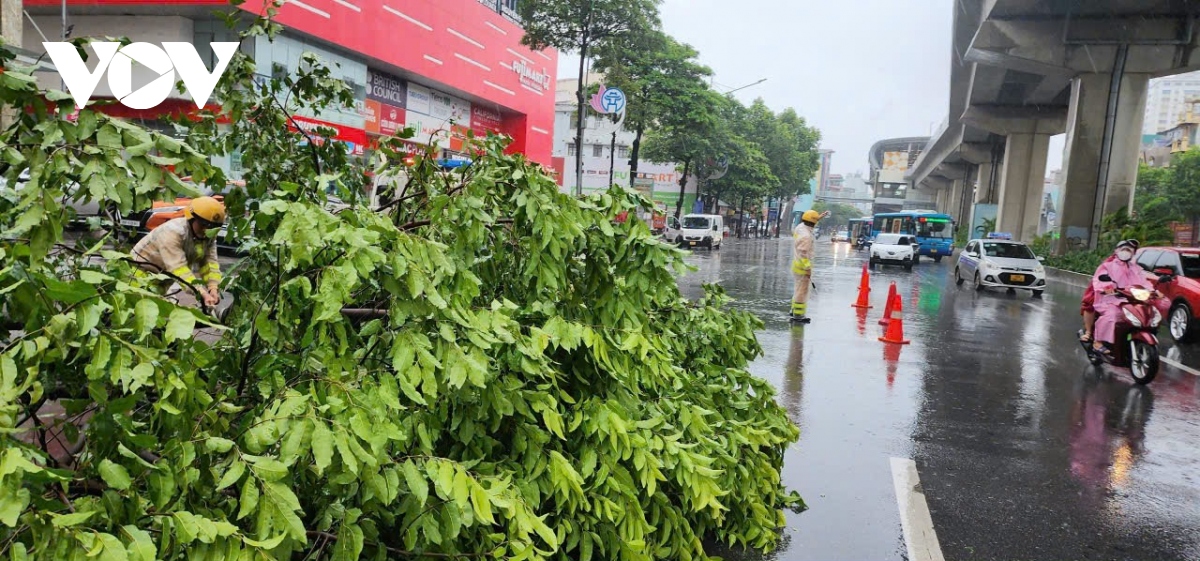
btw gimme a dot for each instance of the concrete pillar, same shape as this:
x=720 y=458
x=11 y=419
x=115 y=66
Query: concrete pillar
x=983 y=183
x=12 y=27
x=11 y=22
x=1092 y=172
x=1022 y=178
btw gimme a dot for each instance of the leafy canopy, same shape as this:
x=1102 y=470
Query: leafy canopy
x=481 y=366
x=574 y=25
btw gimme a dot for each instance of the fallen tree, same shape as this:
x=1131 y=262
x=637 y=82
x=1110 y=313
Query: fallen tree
x=487 y=368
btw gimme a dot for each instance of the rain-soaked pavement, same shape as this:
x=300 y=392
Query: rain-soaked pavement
x=1023 y=450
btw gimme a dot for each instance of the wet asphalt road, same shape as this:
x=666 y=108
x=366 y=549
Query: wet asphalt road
x=1024 y=451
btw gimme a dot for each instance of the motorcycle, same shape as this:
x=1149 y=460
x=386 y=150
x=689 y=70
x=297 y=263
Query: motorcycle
x=1136 y=346
x=862 y=243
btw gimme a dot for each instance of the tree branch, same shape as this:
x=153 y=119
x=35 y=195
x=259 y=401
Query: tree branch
x=329 y=536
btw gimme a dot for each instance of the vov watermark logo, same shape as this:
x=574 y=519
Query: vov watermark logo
x=172 y=58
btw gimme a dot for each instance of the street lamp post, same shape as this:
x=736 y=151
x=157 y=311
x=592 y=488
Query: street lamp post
x=746 y=86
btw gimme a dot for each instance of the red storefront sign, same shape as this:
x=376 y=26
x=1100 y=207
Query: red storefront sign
x=355 y=139
x=382 y=119
x=484 y=120
x=458 y=44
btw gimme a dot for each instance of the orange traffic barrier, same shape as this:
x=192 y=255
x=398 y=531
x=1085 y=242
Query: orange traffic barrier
x=891 y=304
x=895 y=327
x=864 y=290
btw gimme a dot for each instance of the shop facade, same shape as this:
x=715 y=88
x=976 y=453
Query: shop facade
x=445 y=68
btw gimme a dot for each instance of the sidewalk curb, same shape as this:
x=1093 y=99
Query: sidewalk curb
x=1068 y=278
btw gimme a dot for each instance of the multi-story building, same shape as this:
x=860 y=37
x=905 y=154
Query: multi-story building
x=439 y=66
x=658 y=181
x=823 y=171
x=889 y=160
x=1166 y=100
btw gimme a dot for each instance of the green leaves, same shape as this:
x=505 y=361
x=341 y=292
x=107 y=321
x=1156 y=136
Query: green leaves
x=487 y=367
x=114 y=475
x=416 y=482
x=180 y=325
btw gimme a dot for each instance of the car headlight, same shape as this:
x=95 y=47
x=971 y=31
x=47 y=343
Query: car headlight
x=1132 y=318
x=1157 y=319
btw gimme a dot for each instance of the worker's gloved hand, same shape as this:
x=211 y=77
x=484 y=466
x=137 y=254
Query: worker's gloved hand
x=212 y=297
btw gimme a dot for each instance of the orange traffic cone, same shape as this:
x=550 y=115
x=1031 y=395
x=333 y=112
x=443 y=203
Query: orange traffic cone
x=891 y=304
x=864 y=290
x=895 y=327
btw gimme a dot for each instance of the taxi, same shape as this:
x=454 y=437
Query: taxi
x=1000 y=262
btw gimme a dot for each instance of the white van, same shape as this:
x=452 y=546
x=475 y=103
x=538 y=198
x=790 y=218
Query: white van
x=704 y=230
x=672 y=233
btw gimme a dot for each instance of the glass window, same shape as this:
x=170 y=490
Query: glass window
x=1191 y=265
x=571 y=151
x=1007 y=250
x=598 y=150
x=695 y=222
x=1147 y=259
x=942 y=230
x=1170 y=260
x=622 y=151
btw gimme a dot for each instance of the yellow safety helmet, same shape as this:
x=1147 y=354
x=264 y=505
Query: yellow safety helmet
x=810 y=216
x=207 y=209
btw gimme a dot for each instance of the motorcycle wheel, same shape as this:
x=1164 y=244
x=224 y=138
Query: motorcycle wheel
x=1143 y=363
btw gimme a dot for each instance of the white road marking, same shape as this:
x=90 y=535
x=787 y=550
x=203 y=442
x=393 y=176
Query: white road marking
x=919 y=535
x=1180 y=366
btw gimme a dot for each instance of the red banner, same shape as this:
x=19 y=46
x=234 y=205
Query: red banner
x=484 y=120
x=355 y=139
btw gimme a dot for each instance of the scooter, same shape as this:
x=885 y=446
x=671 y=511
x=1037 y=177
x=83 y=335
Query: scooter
x=862 y=243
x=1136 y=346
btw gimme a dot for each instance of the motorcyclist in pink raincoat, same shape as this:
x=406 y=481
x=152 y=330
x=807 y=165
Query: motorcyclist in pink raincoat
x=1124 y=273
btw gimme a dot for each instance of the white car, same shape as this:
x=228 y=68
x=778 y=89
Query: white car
x=894 y=249
x=1000 y=264
x=673 y=233
x=840 y=236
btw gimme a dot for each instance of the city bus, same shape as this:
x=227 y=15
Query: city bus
x=934 y=231
x=860 y=231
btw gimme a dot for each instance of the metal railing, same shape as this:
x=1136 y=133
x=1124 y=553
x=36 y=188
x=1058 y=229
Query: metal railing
x=506 y=8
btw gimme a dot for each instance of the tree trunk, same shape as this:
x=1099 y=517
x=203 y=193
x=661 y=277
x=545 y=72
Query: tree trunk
x=633 y=154
x=687 y=166
x=742 y=217
x=580 y=107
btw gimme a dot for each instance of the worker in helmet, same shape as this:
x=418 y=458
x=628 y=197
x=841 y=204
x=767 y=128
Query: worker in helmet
x=186 y=248
x=802 y=253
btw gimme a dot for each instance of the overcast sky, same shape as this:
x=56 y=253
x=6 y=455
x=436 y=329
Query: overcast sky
x=860 y=70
